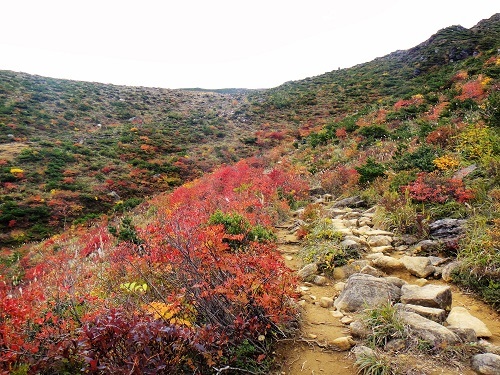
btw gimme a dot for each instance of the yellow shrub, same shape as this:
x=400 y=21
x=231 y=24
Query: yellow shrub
x=170 y=313
x=16 y=171
x=445 y=162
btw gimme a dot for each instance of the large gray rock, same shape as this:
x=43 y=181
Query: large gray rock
x=447 y=228
x=308 y=271
x=438 y=296
x=487 y=364
x=418 y=266
x=363 y=291
x=436 y=315
x=427 y=330
x=353 y=202
x=461 y=318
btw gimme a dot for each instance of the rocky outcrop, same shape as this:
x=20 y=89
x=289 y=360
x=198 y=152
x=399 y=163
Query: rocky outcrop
x=364 y=290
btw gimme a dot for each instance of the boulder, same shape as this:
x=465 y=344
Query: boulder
x=418 y=266
x=388 y=263
x=337 y=314
x=489 y=347
x=379 y=240
x=446 y=228
x=427 y=330
x=461 y=318
x=364 y=290
x=427 y=246
x=308 y=271
x=438 y=261
x=436 y=315
x=437 y=296
x=487 y=364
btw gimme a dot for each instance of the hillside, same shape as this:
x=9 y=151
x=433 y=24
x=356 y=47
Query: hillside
x=169 y=200
x=84 y=147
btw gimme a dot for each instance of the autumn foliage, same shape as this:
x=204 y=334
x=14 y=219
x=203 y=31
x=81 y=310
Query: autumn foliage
x=211 y=285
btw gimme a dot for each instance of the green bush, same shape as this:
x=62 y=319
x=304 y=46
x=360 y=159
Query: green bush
x=370 y=171
x=421 y=159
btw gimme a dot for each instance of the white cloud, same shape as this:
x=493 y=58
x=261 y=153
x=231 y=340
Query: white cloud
x=218 y=43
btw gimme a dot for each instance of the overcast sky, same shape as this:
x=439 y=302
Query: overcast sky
x=216 y=43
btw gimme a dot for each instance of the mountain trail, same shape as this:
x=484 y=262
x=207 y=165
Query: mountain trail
x=316 y=349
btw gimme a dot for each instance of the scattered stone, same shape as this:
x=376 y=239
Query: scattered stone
x=359 y=329
x=421 y=282
x=353 y=202
x=346 y=320
x=339 y=287
x=487 y=364
x=379 y=240
x=395 y=345
x=365 y=221
x=326 y=302
x=428 y=330
x=337 y=314
x=434 y=314
x=343 y=343
x=288 y=257
x=320 y=280
x=308 y=284
x=407 y=240
x=380 y=232
x=362 y=231
x=388 y=263
x=312 y=336
x=448 y=269
x=437 y=272
x=303 y=288
x=302 y=302
x=365 y=290
x=338 y=273
x=429 y=295
x=307 y=271
x=461 y=318
x=418 y=266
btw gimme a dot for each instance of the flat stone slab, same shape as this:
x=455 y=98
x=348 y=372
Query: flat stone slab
x=434 y=314
x=437 y=296
x=388 y=263
x=461 y=318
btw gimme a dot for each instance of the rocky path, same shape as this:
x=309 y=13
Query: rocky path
x=391 y=269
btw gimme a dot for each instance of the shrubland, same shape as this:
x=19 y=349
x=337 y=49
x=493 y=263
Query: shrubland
x=190 y=280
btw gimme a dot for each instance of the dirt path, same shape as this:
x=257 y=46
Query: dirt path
x=311 y=353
